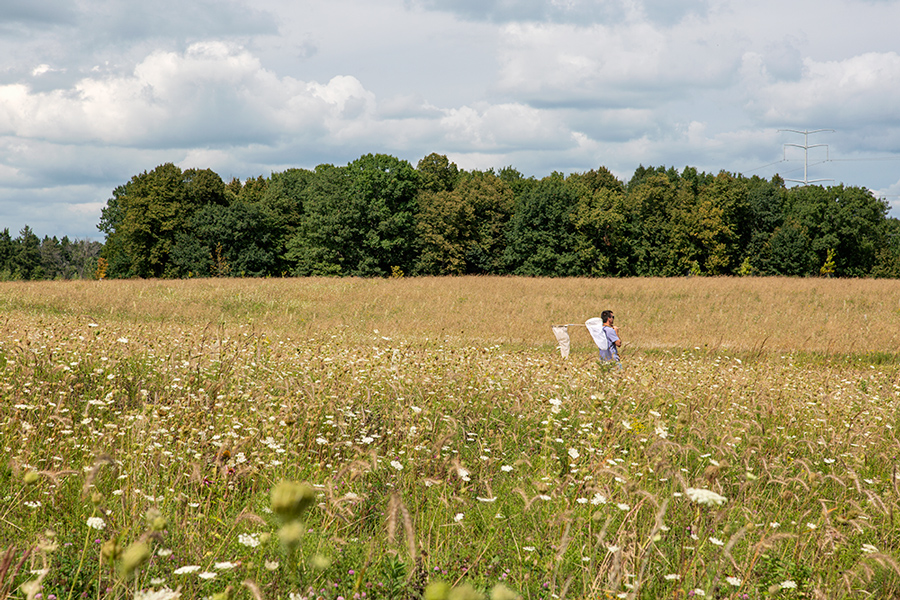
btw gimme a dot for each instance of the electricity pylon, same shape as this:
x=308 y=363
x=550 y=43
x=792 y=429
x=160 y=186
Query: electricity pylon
x=806 y=146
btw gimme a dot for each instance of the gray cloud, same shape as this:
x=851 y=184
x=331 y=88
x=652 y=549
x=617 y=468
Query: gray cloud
x=14 y=14
x=94 y=92
x=630 y=66
x=581 y=12
x=175 y=19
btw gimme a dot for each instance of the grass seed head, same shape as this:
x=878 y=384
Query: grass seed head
x=224 y=595
x=437 y=590
x=132 y=558
x=291 y=534
x=319 y=561
x=290 y=499
x=156 y=520
x=465 y=592
x=501 y=592
x=111 y=550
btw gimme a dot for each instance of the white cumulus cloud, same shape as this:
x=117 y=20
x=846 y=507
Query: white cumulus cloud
x=853 y=90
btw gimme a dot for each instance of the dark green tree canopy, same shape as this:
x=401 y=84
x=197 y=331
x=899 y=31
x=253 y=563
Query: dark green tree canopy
x=378 y=216
x=437 y=173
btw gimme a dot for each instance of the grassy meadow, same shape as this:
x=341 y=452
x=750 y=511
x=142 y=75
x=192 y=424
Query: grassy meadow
x=349 y=438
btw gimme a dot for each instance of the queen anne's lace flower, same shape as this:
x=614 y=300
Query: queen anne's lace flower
x=161 y=594
x=186 y=569
x=705 y=497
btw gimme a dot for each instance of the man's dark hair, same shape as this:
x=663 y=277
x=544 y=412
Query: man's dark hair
x=605 y=315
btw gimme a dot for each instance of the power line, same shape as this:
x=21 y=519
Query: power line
x=768 y=165
x=864 y=159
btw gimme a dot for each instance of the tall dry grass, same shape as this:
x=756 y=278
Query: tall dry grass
x=151 y=419
x=834 y=316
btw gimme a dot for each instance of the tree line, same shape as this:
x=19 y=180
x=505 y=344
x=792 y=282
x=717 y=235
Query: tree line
x=28 y=257
x=380 y=216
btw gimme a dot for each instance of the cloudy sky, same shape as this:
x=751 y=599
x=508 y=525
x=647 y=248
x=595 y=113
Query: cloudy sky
x=93 y=92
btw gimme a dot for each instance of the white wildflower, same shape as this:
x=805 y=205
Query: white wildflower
x=249 y=539
x=161 y=594
x=716 y=541
x=735 y=581
x=186 y=569
x=789 y=584
x=458 y=517
x=506 y=468
x=869 y=548
x=705 y=497
x=96 y=523
x=397 y=465
x=573 y=453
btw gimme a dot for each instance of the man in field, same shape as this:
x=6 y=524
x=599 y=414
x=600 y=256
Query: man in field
x=612 y=336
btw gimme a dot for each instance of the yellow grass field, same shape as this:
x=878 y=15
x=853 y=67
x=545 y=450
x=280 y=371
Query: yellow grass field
x=155 y=436
x=829 y=316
